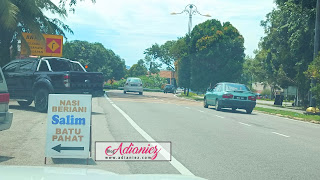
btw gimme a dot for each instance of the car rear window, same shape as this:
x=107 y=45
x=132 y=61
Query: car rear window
x=134 y=80
x=236 y=87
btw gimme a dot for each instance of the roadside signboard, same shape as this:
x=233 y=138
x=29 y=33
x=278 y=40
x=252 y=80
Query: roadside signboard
x=52 y=46
x=68 y=126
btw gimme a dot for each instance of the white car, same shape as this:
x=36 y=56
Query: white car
x=133 y=85
x=5 y=116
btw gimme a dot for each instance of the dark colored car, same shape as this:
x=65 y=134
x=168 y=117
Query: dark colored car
x=169 y=88
x=33 y=79
x=230 y=95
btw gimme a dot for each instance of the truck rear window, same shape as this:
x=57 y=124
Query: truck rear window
x=59 y=65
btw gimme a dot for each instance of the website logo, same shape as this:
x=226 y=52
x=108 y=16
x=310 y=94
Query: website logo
x=133 y=151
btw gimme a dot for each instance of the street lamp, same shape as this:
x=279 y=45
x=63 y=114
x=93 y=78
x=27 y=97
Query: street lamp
x=190 y=9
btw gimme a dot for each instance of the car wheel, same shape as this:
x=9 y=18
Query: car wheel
x=234 y=109
x=41 y=100
x=249 y=111
x=218 y=107
x=25 y=103
x=124 y=92
x=140 y=93
x=205 y=104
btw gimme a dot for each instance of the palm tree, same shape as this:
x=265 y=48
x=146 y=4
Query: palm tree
x=18 y=16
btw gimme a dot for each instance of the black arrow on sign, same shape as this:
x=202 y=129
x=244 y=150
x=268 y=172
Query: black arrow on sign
x=58 y=148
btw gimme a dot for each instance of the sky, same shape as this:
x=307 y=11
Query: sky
x=128 y=27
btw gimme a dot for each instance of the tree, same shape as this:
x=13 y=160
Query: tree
x=162 y=53
x=27 y=16
x=179 y=52
x=137 y=69
x=216 y=50
x=97 y=57
x=152 y=66
x=18 y=16
x=289 y=43
x=314 y=72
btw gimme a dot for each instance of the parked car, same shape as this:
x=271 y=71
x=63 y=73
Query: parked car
x=230 y=95
x=133 y=85
x=32 y=79
x=169 y=88
x=5 y=116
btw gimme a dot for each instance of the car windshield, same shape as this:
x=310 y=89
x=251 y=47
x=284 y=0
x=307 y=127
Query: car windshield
x=169 y=89
x=236 y=87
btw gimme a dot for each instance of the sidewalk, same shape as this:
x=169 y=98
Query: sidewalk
x=286 y=106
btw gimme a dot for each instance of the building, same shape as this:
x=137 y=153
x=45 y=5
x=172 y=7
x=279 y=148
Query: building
x=171 y=76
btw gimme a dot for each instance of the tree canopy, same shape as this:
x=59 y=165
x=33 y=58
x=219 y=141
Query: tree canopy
x=97 y=57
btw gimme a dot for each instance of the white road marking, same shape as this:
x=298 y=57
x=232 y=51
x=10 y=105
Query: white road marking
x=155 y=98
x=244 y=124
x=161 y=100
x=219 y=116
x=201 y=111
x=187 y=107
x=280 y=134
x=174 y=162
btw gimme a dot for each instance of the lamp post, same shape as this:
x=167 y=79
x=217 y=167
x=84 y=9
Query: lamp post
x=190 y=9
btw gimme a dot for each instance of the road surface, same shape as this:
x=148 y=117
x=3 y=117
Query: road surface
x=206 y=143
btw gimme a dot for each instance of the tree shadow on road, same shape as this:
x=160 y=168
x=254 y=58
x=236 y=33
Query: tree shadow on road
x=5 y=158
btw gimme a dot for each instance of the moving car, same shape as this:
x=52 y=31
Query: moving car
x=169 y=88
x=133 y=85
x=5 y=116
x=230 y=95
x=32 y=79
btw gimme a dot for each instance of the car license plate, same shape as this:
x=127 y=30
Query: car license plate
x=240 y=97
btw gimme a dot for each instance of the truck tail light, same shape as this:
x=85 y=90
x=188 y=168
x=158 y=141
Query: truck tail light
x=227 y=96
x=4 y=98
x=66 y=80
x=252 y=98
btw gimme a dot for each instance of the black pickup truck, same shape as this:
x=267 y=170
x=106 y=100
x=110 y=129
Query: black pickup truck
x=33 y=79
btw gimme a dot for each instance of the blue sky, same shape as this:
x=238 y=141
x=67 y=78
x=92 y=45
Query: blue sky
x=128 y=27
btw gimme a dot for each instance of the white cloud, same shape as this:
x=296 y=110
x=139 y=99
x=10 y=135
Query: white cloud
x=130 y=26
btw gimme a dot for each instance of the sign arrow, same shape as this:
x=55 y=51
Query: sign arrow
x=58 y=148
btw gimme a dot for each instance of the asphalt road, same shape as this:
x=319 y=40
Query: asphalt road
x=205 y=142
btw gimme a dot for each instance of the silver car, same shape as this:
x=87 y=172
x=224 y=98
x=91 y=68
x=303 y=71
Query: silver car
x=5 y=116
x=133 y=85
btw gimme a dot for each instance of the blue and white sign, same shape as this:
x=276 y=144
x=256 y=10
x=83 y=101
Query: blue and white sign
x=68 y=126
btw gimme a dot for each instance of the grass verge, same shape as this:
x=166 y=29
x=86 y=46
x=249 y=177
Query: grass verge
x=290 y=114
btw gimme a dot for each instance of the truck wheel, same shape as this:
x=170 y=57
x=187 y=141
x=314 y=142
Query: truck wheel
x=249 y=111
x=41 y=100
x=25 y=103
x=124 y=92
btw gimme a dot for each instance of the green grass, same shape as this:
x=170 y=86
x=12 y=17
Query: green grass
x=290 y=114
